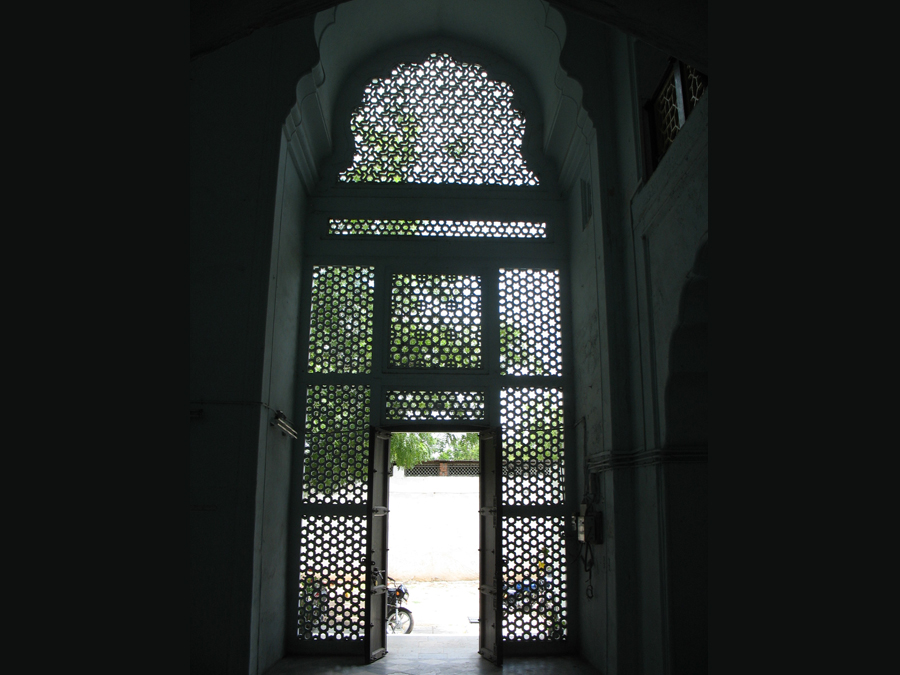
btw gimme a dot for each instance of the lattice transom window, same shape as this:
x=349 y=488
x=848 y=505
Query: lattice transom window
x=440 y=121
x=439 y=228
x=435 y=321
x=530 y=342
x=340 y=334
x=435 y=405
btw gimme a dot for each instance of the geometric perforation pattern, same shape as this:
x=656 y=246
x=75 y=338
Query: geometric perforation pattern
x=435 y=405
x=533 y=459
x=340 y=333
x=439 y=121
x=530 y=339
x=440 y=228
x=335 y=468
x=695 y=85
x=332 y=581
x=435 y=321
x=666 y=112
x=336 y=452
x=534 y=578
x=336 y=407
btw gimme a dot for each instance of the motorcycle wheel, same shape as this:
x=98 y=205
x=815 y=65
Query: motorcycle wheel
x=401 y=622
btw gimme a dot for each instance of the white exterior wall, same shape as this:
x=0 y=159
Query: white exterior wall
x=433 y=528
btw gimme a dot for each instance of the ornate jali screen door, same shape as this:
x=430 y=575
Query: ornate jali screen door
x=448 y=319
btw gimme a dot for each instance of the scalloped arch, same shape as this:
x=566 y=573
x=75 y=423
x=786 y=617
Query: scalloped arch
x=528 y=33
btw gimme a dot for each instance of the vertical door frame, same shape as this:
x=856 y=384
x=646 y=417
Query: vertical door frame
x=490 y=552
x=377 y=550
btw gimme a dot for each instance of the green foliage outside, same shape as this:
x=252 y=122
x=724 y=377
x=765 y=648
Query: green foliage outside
x=386 y=146
x=410 y=449
x=533 y=426
x=393 y=227
x=514 y=359
x=422 y=335
x=341 y=320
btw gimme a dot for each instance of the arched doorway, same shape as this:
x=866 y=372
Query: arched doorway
x=436 y=304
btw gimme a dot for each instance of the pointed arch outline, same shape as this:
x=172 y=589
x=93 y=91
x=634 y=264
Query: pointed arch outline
x=529 y=34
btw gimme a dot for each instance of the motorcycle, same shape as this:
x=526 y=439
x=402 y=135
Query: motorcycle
x=526 y=595
x=399 y=619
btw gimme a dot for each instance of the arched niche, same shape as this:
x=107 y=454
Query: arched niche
x=527 y=34
x=522 y=41
x=497 y=69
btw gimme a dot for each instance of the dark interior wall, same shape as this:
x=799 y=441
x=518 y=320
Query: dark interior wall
x=239 y=98
x=608 y=385
x=686 y=489
x=648 y=611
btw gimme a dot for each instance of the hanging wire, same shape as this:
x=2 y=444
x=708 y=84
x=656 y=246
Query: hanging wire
x=587 y=559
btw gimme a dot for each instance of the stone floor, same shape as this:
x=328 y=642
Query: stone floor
x=443 y=607
x=431 y=655
x=444 y=640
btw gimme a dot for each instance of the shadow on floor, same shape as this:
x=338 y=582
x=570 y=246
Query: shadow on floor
x=431 y=655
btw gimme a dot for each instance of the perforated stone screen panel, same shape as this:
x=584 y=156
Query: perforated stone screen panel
x=336 y=452
x=440 y=121
x=332 y=578
x=434 y=405
x=440 y=228
x=530 y=332
x=533 y=459
x=340 y=334
x=534 y=578
x=435 y=321
x=335 y=468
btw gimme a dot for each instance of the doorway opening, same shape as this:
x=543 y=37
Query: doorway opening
x=433 y=532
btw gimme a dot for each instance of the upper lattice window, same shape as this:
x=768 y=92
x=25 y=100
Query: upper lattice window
x=435 y=321
x=340 y=326
x=440 y=121
x=530 y=342
x=439 y=228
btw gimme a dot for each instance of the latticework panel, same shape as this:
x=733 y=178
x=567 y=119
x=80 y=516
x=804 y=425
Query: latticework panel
x=435 y=321
x=443 y=469
x=336 y=453
x=332 y=578
x=340 y=333
x=463 y=470
x=530 y=335
x=694 y=86
x=435 y=405
x=422 y=470
x=440 y=121
x=666 y=114
x=533 y=467
x=534 y=578
x=440 y=228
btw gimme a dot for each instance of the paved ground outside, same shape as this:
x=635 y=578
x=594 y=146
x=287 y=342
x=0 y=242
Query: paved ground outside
x=443 y=607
